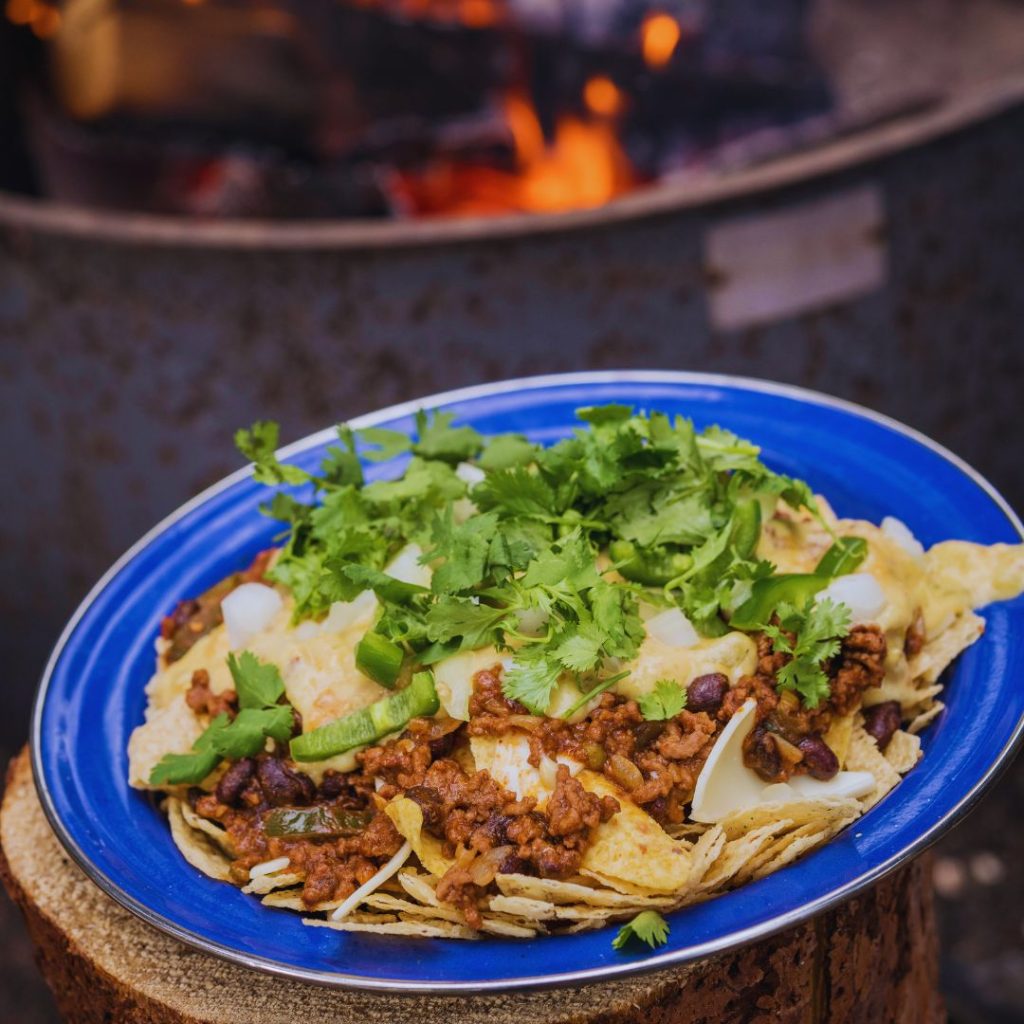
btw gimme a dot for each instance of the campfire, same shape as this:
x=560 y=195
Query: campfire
x=400 y=108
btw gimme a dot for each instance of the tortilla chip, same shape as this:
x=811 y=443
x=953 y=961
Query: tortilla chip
x=407 y=817
x=738 y=853
x=291 y=899
x=419 y=887
x=866 y=757
x=925 y=717
x=437 y=930
x=210 y=828
x=167 y=730
x=633 y=846
x=508 y=929
x=903 y=751
x=705 y=852
x=541 y=910
x=838 y=736
x=797 y=812
x=551 y=890
x=794 y=845
x=268 y=883
x=939 y=651
x=200 y=851
x=983 y=572
x=381 y=901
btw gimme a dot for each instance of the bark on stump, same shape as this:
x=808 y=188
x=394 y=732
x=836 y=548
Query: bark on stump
x=874 y=960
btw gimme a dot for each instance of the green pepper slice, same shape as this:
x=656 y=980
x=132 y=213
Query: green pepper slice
x=369 y=724
x=766 y=595
x=314 y=822
x=648 y=569
x=380 y=659
x=843 y=557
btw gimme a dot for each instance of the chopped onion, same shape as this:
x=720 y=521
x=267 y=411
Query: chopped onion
x=532 y=621
x=374 y=883
x=469 y=474
x=248 y=610
x=898 y=531
x=406 y=567
x=673 y=628
x=861 y=593
x=341 y=616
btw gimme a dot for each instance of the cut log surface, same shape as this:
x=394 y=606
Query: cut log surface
x=873 y=960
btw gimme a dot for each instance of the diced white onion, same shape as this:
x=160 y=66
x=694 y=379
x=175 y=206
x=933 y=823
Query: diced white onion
x=725 y=784
x=532 y=621
x=861 y=593
x=269 y=867
x=248 y=610
x=346 y=613
x=374 y=883
x=898 y=531
x=406 y=567
x=673 y=628
x=469 y=474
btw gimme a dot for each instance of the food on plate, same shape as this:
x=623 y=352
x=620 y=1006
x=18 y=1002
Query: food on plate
x=487 y=686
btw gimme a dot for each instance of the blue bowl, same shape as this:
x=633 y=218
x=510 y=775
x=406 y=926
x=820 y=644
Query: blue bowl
x=91 y=696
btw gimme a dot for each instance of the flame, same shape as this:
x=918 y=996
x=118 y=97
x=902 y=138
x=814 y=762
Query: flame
x=44 y=20
x=582 y=166
x=659 y=37
x=603 y=96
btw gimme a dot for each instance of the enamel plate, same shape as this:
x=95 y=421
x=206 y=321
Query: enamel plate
x=91 y=695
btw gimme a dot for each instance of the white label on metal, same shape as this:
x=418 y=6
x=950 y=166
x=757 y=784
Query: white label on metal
x=771 y=266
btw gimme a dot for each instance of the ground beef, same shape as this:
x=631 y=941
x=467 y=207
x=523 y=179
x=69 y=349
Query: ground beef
x=193 y=618
x=332 y=868
x=204 y=702
x=784 y=723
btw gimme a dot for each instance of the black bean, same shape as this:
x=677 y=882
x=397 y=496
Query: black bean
x=282 y=786
x=882 y=720
x=332 y=785
x=442 y=746
x=706 y=693
x=762 y=755
x=429 y=801
x=647 y=733
x=234 y=780
x=512 y=865
x=821 y=762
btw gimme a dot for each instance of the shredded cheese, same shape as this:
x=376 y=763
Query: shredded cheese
x=376 y=882
x=268 y=867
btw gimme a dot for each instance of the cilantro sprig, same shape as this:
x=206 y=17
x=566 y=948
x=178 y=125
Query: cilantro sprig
x=632 y=507
x=819 y=629
x=665 y=701
x=259 y=688
x=648 y=926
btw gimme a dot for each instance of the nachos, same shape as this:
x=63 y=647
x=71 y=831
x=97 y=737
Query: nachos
x=522 y=690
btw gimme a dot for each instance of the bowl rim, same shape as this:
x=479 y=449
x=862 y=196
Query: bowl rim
x=601 y=973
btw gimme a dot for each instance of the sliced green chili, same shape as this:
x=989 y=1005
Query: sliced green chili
x=766 y=595
x=313 y=822
x=843 y=557
x=380 y=659
x=648 y=569
x=369 y=724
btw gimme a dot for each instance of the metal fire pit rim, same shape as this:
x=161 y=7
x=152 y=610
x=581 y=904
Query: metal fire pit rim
x=842 y=153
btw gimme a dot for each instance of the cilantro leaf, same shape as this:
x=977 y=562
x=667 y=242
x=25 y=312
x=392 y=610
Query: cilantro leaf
x=386 y=587
x=190 y=769
x=506 y=451
x=665 y=701
x=819 y=630
x=438 y=439
x=464 y=548
x=531 y=679
x=516 y=491
x=258 y=684
x=477 y=625
x=259 y=445
x=387 y=443
x=580 y=649
x=245 y=736
x=648 y=926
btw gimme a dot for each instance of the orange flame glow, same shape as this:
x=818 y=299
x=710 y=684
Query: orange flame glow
x=582 y=166
x=603 y=97
x=659 y=37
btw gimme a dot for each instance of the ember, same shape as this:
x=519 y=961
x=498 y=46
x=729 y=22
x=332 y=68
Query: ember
x=320 y=108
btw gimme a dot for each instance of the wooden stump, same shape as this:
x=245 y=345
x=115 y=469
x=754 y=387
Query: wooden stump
x=874 y=960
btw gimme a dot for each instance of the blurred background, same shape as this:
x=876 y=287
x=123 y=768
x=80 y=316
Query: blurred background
x=218 y=210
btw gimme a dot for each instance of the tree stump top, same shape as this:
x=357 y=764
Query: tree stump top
x=874 y=959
